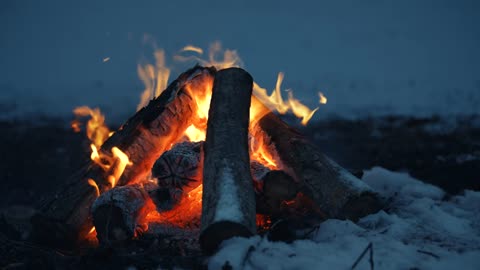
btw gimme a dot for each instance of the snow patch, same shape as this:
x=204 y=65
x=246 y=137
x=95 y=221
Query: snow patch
x=418 y=229
x=228 y=203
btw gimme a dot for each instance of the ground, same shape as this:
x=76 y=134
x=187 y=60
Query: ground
x=41 y=152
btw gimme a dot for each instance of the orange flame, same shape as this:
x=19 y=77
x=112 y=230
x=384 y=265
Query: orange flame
x=155 y=78
x=92 y=183
x=97 y=131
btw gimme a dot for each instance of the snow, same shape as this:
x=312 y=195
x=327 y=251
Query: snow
x=227 y=206
x=419 y=229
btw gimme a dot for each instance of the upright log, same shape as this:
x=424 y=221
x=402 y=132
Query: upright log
x=228 y=202
x=336 y=191
x=143 y=138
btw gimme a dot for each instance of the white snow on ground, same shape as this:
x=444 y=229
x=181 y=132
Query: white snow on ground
x=419 y=229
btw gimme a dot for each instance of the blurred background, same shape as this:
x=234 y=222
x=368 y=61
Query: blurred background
x=371 y=57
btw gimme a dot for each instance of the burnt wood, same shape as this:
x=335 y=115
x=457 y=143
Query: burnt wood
x=336 y=191
x=278 y=189
x=143 y=138
x=180 y=167
x=119 y=213
x=228 y=202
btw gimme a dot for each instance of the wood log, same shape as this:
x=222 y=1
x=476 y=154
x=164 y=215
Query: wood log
x=228 y=202
x=143 y=138
x=180 y=167
x=119 y=214
x=278 y=188
x=337 y=192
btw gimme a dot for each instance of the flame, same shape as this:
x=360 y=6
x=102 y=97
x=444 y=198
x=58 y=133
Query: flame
x=155 y=78
x=323 y=98
x=191 y=48
x=121 y=162
x=92 y=183
x=195 y=134
x=300 y=110
x=97 y=131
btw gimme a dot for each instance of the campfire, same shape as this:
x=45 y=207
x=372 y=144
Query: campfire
x=205 y=153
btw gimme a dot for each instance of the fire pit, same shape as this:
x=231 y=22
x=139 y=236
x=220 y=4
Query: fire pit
x=207 y=156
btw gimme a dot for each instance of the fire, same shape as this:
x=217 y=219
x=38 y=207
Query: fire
x=97 y=130
x=323 y=98
x=187 y=210
x=155 y=78
x=92 y=183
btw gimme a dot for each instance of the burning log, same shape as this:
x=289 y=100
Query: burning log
x=228 y=202
x=336 y=192
x=119 y=214
x=141 y=140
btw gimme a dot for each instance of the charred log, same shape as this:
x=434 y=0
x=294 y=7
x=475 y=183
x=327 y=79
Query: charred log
x=142 y=138
x=180 y=167
x=228 y=202
x=335 y=191
x=119 y=213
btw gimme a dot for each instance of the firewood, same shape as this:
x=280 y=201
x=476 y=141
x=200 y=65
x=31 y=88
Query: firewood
x=180 y=167
x=143 y=138
x=278 y=188
x=336 y=192
x=228 y=202
x=119 y=213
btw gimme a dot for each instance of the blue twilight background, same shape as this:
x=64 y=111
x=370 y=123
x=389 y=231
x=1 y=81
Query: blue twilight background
x=368 y=57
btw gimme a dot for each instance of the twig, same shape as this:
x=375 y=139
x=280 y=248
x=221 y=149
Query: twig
x=372 y=264
x=428 y=253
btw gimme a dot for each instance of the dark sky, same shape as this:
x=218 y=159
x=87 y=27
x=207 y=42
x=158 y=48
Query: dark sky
x=370 y=56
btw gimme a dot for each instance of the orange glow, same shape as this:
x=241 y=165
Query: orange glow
x=188 y=209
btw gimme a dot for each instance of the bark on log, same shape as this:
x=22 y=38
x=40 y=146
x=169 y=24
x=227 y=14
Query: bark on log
x=142 y=138
x=120 y=213
x=228 y=202
x=338 y=193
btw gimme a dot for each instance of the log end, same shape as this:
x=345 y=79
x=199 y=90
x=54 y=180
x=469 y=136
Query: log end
x=215 y=234
x=110 y=226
